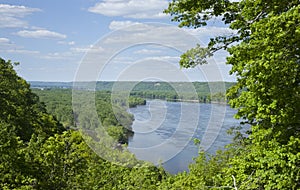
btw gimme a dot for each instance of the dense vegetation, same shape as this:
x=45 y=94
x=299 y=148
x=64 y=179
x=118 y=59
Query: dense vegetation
x=59 y=103
x=37 y=152
x=204 y=91
x=265 y=56
x=46 y=151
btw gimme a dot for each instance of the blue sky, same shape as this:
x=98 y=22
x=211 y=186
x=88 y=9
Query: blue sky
x=52 y=38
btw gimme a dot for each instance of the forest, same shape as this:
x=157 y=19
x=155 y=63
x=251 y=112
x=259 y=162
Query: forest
x=206 y=92
x=41 y=147
x=40 y=150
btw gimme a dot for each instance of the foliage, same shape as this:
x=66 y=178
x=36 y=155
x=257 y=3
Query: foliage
x=134 y=101
x=205 y=173
x=63 y=160
x=59 y=103
x=264 y=54
x=240 y=16
x=20 y=107
x=21 y=116
x=205 y=91
x=37 y=153
x=51 y=157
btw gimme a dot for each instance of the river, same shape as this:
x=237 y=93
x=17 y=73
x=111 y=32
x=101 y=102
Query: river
x=165 y=131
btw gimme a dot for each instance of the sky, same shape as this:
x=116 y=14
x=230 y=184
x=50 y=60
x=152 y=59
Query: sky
x=69 y=40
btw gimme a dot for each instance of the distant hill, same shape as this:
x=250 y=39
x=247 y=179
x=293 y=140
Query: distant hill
x=40 y=84
x=200 y=87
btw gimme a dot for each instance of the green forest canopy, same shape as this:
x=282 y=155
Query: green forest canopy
x=204 y=91
x=265 y=56
x=37 y=152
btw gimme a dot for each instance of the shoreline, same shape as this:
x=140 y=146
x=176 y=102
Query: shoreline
x=190 y=101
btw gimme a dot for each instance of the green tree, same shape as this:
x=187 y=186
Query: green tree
x=59 y=162
x=265 y=56
x=20 y=107
x=37 y=153
x=21 y=117
x=13 y=174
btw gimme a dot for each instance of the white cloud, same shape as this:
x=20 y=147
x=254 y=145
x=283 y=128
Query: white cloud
x=40 y=34
x=59 y=56
x=145 y=30
x=116 y=25
x=4 y=41
x=10 y=15
x=166 y=58
x=71 y=43
x=17 y=11
x=90 y=49
x=147 y=51
x=11 y=22
x=8 y=46
x=123 y=60
x=74 y=53
x=22 y=51
x=79 y=49
x=131 y=8
x=209 y=31
x=148 y=33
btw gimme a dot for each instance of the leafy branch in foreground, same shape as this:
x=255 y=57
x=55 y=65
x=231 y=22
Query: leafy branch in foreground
x=264 y=53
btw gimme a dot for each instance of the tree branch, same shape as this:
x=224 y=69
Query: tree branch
x=234 y=182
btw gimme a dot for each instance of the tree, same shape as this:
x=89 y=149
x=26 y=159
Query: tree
x=59 y=162
x=240 y=16
x=265 y=56
x=37 y=153
x=20 y=107
x=12 y=174
x=21 y=117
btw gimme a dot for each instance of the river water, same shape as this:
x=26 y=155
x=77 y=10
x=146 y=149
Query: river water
x=165 y=131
